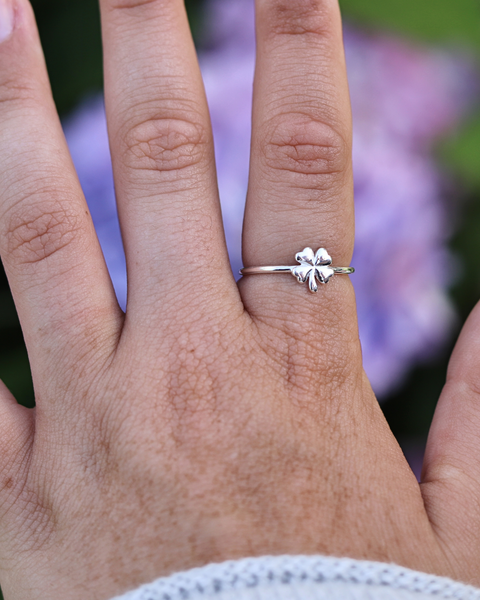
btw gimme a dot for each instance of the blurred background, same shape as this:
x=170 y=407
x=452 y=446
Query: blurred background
x=414 y=78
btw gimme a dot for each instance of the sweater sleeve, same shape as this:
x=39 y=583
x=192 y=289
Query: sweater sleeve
x=302 y=578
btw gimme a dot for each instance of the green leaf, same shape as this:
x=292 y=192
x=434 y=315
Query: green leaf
x=461 y=152
x=433 y=21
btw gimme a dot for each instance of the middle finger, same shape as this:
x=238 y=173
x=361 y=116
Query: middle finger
x=163 y=160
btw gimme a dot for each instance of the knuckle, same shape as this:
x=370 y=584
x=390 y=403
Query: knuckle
x=166 y=144
x=34 y=235
x=14 y=91
x=307 y=148
x=298 y=17
x=131 y=4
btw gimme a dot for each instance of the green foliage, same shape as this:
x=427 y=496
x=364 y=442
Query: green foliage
x=14 y=367
x=461 y=152
x=466 y=245
x=70 y=34
x=432 y=21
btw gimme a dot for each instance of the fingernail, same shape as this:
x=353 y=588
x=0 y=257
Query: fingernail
x=6 y=19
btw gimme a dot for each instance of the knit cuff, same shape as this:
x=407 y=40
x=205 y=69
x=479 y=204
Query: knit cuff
x=302 y=578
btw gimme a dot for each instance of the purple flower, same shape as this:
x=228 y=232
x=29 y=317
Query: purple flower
x=86 y=133
x=403 y=99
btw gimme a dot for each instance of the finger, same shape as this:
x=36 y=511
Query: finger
x=53 y=261
x=16 y=436
x=300 y=191
x=451 y=470
x=163 y=158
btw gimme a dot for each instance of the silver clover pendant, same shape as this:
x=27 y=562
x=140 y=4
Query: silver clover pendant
x=313 y=267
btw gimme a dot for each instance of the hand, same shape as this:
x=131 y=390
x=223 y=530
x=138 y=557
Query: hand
x=211 y=421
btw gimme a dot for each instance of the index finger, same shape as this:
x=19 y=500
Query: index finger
x=301 y=185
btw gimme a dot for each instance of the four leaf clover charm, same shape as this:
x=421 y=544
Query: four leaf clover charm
x=312 y=267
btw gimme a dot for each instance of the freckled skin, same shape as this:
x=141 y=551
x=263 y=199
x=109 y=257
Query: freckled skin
x=210 y=421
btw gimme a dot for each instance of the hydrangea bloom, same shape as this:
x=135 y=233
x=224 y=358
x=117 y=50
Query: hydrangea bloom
x=86 y=133
x=403 y=98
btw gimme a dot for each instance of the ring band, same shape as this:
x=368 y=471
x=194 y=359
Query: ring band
x=312 y=267
x=282 y=269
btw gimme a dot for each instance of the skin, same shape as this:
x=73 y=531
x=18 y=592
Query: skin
x=211 y=421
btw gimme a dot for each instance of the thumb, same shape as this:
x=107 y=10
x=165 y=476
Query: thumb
x=451 y=470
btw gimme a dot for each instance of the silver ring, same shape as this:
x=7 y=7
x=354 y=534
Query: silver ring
x=312 y=267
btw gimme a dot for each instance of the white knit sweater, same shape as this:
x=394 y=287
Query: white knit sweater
x=302 y=578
